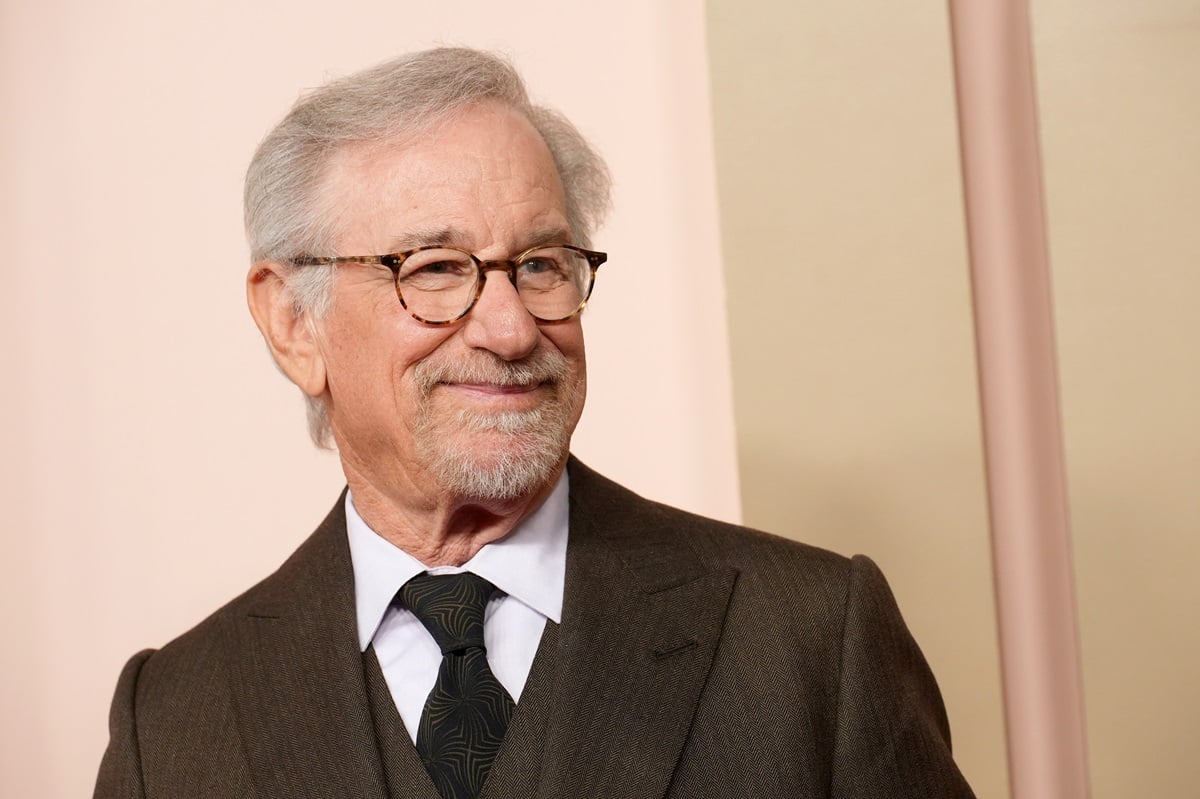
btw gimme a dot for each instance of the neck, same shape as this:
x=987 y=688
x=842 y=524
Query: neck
x=437 y=529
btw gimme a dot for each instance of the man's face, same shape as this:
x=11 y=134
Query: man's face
x=483 y=408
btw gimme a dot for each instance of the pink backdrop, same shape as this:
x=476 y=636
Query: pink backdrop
x=156 y=462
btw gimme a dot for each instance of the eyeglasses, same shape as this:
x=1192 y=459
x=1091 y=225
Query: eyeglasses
x=440 y=285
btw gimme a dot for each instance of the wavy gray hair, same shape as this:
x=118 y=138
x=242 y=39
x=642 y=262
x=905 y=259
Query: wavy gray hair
x=284 y=214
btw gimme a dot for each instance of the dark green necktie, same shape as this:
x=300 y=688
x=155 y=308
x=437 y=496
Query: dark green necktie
x=468 y=709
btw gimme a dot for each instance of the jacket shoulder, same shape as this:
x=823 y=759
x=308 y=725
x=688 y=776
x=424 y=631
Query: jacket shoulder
x=753 y=553
x=192 y=658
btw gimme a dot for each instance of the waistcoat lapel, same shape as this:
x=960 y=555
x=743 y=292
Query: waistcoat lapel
x=406 y=775
x=517 y=770
x=297 y=678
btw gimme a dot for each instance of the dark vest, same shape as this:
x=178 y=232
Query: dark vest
x=517 y=769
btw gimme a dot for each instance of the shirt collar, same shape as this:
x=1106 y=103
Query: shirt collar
x=529 y=564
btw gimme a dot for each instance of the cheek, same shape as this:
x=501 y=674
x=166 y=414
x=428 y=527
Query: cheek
x=380 y=337
x=568 y=340
x=399 y=348
x=360 y=356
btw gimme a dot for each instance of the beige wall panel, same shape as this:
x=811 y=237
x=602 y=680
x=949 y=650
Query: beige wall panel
x=155 y=464
x=1120 y=96
x=849 y=302
x=854 y=390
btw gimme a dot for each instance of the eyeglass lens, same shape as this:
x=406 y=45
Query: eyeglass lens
x=439 y=285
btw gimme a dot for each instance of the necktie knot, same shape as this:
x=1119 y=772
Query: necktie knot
x=450 y=606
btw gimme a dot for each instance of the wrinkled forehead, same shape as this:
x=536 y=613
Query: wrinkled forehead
x=483 y=171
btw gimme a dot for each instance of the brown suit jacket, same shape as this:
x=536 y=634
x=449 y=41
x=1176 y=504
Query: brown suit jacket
x=694 y=659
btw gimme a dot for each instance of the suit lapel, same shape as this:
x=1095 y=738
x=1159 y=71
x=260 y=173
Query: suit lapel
x=297 y=678
x=641 y=622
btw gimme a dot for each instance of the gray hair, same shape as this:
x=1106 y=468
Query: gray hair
x=284 y=212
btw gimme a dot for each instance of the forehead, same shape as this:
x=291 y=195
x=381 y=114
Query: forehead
x=483 y=172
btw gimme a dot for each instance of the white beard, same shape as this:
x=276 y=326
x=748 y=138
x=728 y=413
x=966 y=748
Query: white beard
x=497 y=456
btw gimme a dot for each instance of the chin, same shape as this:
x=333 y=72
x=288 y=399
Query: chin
x=498 y=456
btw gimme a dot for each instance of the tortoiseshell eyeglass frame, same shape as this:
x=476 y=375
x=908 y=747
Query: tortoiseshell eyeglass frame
x=394 y=260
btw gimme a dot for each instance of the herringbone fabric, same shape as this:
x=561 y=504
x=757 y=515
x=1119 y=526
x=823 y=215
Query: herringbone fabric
x=694 y=660
x=468 y=710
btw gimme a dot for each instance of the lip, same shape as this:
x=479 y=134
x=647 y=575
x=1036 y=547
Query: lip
x=495 y=388
x=497 y=395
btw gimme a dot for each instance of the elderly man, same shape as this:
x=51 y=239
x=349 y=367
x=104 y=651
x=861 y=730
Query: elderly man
x=480 y=614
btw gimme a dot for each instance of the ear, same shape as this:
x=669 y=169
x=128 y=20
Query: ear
x=290 y=337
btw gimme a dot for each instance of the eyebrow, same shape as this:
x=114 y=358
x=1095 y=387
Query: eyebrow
x=453 y=237
x=425 y=237
x=547 y=235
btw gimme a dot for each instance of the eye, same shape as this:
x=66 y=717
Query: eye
x=446 y=267
x=544 y=266
x=538 y=265
x=436 y=270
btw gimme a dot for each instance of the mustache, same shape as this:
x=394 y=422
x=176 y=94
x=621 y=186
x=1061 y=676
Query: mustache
x=543 y=366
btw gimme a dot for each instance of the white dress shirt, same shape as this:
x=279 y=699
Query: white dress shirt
x=529 y=567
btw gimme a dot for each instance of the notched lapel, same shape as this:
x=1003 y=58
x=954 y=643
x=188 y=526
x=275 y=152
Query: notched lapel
x=632 y=679
x=641 y=624
x=297 y=679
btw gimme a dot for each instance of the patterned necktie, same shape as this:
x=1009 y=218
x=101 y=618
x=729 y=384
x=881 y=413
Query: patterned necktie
x=468 y=709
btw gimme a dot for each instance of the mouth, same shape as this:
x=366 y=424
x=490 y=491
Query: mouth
x=494 y=388
x=497 y=396
x=495 y=382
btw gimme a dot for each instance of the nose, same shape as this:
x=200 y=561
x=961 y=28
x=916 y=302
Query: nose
x=499 y=321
